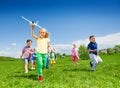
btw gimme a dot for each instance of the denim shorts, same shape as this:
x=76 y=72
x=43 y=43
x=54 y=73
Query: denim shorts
x=27 y=60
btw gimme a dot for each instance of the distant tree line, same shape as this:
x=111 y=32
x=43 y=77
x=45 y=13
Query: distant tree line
x=84 y=54
x=111 y=51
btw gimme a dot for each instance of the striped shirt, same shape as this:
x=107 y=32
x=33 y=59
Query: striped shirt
x=26 y=52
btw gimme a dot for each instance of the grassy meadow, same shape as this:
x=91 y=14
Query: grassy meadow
x=64 y=74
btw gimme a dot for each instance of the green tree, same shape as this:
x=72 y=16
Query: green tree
x=103 y=51
x=110 y=51
x=58 y=55
x=83 y=52
x=117 y=49
x=64 y=54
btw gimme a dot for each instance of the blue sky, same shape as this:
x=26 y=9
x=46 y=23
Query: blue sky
x=66 y=20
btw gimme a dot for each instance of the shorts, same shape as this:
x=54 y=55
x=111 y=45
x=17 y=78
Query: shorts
x=33 y=61
x=27 y=60
x=33 y=58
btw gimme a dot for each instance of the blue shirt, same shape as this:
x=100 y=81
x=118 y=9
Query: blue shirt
x=92 y=46
x=34 y=56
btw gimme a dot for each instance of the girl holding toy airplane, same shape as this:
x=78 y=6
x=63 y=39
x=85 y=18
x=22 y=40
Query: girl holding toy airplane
x=43 y=42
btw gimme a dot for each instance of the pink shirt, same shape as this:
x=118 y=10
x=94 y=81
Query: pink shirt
x=74 y=52
x=26 y=52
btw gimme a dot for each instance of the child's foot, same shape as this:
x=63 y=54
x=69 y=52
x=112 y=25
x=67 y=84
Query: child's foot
x=26 y=71
x=77 y=63
x=47 y=67
x=40 y=79
x=91 y=64
x=32 y=68
x=93 y=70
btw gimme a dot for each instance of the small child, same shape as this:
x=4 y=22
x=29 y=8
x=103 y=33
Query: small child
x=34 y=56
x=48 y=58
x=75 y=55
x=55 y=55
x=92 y=48
x=43 y=42
x=52 y=57
x=27 y=53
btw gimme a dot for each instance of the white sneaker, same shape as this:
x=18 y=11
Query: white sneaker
x=32 y=68
x=26 y=71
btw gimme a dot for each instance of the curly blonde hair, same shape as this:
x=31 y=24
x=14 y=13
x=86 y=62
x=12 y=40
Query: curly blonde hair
x=47 y=34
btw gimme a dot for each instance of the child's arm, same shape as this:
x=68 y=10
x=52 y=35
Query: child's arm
x=92 y=50
x=31 y=51
x=22 y=52
x=52 y=49
x=32 y=32
x=21 y=55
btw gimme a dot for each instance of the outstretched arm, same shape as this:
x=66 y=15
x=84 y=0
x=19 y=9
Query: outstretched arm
x=21 y=56
x=92 y=50
x=52 y=49
x=22 y=52
x=32 y=32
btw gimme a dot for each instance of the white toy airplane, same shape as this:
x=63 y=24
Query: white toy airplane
x=32 y=22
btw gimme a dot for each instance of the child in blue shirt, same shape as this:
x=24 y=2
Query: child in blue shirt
x=48 y=58
x=34 y=56
x=92 y=48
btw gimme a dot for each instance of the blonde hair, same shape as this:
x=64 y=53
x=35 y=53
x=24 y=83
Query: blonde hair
x=47 y=34
x=74 y=45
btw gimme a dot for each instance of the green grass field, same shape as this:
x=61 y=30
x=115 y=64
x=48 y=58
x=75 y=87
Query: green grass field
x=64 y=74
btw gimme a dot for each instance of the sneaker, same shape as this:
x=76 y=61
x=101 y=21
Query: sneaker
x=91 y=64
x=32 y=68
x=40 y=79
x=77 y=63
x=26 y=71
x=47 y=67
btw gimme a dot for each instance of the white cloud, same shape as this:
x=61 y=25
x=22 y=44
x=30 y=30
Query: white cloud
x=103 y=42
x=63 y=48
x=4 y=53
x=10 y=52
x=107 y=41
x=13 y=44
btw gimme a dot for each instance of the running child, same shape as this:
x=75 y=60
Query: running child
x=48 y=58
x=27 y=53
x=43 y=42
x=75 y=55
x=52 y=57
x=34 y=56
x=93 y=52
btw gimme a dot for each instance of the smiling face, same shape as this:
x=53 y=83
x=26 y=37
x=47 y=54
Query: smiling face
x=29 y=42
x=92 y=39
x=42 y=32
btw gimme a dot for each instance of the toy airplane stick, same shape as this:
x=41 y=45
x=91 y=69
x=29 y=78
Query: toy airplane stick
x=32 y=22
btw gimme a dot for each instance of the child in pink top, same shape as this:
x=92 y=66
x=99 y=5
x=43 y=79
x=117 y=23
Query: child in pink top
x=75 y=55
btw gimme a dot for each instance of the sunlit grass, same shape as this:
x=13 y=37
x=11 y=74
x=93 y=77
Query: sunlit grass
x=64 y=74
